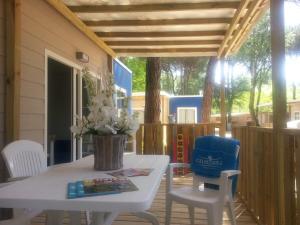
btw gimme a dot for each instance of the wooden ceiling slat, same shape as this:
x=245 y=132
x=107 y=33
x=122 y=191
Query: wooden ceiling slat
x=168 y=54
x=153 y=7
x=144 y=50
x=233 y=25
x=162 y=43
x=157 y=22
x=162 y=34
x=231 y=22
x=254 y=8
x=247 y=30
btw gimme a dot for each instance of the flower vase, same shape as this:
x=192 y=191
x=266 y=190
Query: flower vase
x=108 y=151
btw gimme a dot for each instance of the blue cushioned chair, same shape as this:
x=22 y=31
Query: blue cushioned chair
x=214 y=154
x=214 y=164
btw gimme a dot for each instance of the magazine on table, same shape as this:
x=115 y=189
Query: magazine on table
x=101 y=186
x=131 y=172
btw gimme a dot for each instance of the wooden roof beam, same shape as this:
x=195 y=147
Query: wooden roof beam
x=167 y=54
x=162 y=34
x=153 y=7
x=170 y=50
x=161 y=22
x=163 y=43
x=233 y=25
x=69 y=15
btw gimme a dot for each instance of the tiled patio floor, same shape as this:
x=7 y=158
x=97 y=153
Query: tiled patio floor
x=179 y=213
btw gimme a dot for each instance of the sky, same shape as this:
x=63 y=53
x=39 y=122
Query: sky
x=292 y=13
x=292 y=65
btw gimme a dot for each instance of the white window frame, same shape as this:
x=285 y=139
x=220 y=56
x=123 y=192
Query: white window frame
x=118 y=88
x=297 y=112
x=76 y=71
x=183 y=108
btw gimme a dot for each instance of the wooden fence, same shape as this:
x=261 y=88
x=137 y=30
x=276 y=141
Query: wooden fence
x=259 y=180
x=160 y=138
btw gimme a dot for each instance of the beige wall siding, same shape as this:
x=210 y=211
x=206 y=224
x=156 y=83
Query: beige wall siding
x=294 y=108
x=2 y=73
x=44 y=28
x=138 y=105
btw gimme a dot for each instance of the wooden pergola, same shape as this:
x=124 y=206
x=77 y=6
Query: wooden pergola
x=191 y=28
x=166 y=28
x=171 y=28
x=160 y=28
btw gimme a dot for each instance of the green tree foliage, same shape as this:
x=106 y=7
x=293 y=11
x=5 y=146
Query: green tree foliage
x=236 y=92
x=183 y=76
x=255 y=55
x=179 y=76
x=292 y=40
x=138 y=68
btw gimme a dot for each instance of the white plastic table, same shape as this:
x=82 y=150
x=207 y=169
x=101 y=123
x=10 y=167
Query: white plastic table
x=48 y=190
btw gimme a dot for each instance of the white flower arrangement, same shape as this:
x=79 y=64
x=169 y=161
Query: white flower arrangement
x=103 y=118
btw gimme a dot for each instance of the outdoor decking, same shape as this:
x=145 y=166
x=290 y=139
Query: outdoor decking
x=179 y=212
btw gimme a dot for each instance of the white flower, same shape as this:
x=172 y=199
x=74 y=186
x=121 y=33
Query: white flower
x=75 y=129
x=103 y=117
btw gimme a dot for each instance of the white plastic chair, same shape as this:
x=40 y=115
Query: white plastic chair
x=20 y=216
x=24 y=158
x=198 y=196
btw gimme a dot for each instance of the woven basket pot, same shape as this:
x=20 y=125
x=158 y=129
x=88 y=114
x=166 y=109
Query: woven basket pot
x=108 y=152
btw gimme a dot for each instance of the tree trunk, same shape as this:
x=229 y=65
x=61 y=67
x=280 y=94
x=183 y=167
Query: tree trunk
x=230 y=105
x=252 y=94
x=294 y=91
x=152 y=97
x=208 y=90
x=258 y=101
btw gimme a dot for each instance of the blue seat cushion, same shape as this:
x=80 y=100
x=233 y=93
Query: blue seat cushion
x=214 y=154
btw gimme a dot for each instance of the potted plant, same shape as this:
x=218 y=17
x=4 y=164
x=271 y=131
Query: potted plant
x=108 y=129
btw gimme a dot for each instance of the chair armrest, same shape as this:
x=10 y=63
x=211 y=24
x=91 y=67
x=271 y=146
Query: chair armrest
x=13 y=179
x=179 y=165
x=5 y=184
x=170 y=169
x=225 y=185
x=230 y=173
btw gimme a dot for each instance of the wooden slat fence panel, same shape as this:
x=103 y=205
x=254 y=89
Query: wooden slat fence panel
x=257 y=183
x=297 y=176
x=139 y=143
x=292 y=175
x=162 y=138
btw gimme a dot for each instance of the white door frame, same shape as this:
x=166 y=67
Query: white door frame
x=195 y=108
x=76 y=71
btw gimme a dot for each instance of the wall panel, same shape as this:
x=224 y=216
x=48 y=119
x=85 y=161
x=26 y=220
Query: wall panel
x=44 y=28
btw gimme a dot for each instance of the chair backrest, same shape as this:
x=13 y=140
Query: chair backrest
x=214 y=154
x=24 y=158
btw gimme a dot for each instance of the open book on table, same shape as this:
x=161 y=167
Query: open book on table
x=131 y=172
x=101 y=186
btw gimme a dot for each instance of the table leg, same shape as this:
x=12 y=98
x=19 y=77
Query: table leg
x=75 y=217
x=101 y=218
x=54 y=217
x=97 y=218
x=148 y=216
